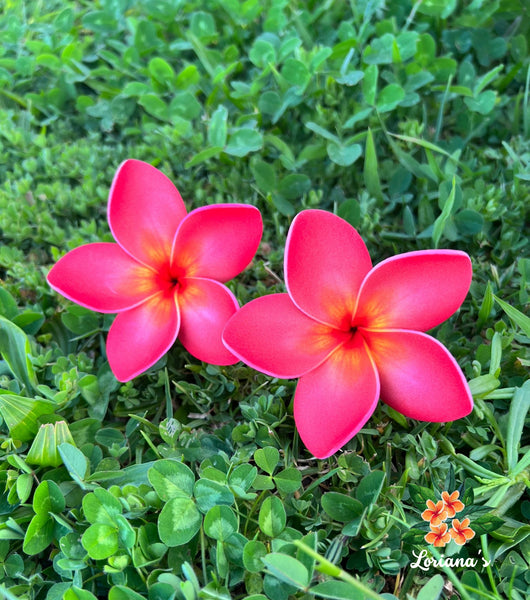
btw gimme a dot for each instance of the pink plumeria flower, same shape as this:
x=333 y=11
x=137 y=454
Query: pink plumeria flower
x=353 y=333
x=164 y=275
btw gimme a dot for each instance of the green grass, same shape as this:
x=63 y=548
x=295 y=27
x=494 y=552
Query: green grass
x=409 y=120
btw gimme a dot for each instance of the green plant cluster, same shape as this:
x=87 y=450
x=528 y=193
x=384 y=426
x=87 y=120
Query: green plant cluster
x=411 y=120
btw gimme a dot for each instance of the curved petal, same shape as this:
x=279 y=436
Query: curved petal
x=325 y=263
x=217 y=241
x=102 y=277
x=205 y=307
x=273 y=336
x=335 y=400
x=415 y=290
x=144 y=211
x=141 y=336
x=419 y=377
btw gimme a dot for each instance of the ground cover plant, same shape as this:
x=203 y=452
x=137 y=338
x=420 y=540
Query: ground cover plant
x=409 y=120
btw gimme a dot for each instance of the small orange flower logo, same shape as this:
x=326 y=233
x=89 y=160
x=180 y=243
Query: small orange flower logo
x=435 y=513
x=452 y=503
x=438 y=536
x=438 y=512
x=461 y=532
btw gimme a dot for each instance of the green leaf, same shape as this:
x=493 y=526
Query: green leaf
x=371 y=173
x=100 y=541
x=217 y=128
x=518 y=318
x=519 y=407
x=121 y=592
x=432 y=589
x=262 y=53
x=253 y=552
x=296 y=73
x=162 y=72
x=288 y=480
x=75 y=593
x=16 y=351
x=294 y=186
x=370 y=487
x=21 y=415
x=203 y=156
x=267 y=458
x=171 y=479
x=337 y=590
x=209 y=493
x=220 y=523
x=389 y=97
x=370 y=84
x=39 y=534
x=341 y=507
x=484 y=103
x=74 y=460
x=287 y=569
x=45 y=447
x=272 y=518
x=8 y=305
x=155 y=106
x=344 y=155
x=179 y=521
x=244 y=141
x=184 y=105
x=350 y=210
x=264 y=174
x=48 y=498
x=441 y=221
x=101 y=506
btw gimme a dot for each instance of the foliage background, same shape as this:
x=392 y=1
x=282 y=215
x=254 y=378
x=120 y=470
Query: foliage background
x=411 y=121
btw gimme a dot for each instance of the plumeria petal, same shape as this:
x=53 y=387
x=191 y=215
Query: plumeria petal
x=145 y=210
x=217 y=241
x=325 y=263
x=102 y=277
x=419 y=377
x=335 y=400
x=416 y=290
x=142 y=335
x=272 y=335
x=205 y=307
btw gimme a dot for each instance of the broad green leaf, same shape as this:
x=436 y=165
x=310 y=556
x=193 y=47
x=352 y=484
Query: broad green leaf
x=179 y=521
x=220 y=523
x=209 y=493
x=184 y=105
x=16 y=351
x=253 y=552
x=370 y=84
x=48 y=498
x=484 y=103
x=520 y=319
x=370 y=487
x=100 y=506
x=161 y=72
x=267 y=458
x=341 y=507
x=264 y=174
x=389 y=97
x=337 y=590
x=296 y=73
x=432 y=589
x=288 y=480
x=344 y=155
x=121 y=592
x=155 y=106
x=272 y=517
x=171 y=479
x=74 y=460
x=100 y=541
x=244 y=141
x=294 y=186
x=75 y=593
x=519 y=407
x=287 y=569
x=8 y=305
x=322 y=132
x=21 y=414
x=203 y=156
x=262 y=53
x=39 y=534
x=350 y=210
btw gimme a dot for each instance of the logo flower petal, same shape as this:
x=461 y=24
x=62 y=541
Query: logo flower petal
x=144 y=211
x=438 y=536
x=217 y=241
x=419 y=377
x=102 y=277
x=333 y=401
x=140 y=336
x=325 y=263
x=415 y=290
x=205 y=307
x=461 y=532
x=452 y=504
x=271 y=335
x=435 y=513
